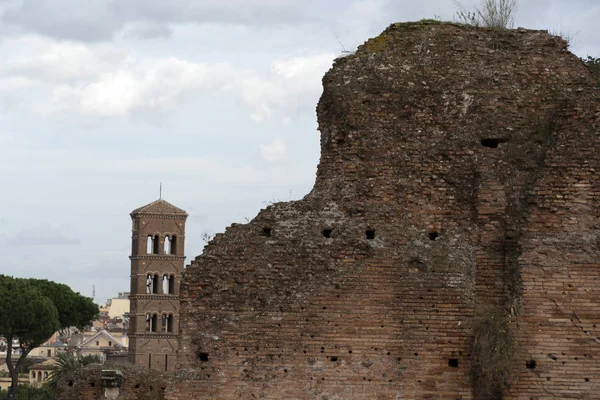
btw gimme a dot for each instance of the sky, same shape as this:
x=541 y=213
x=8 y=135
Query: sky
x=102 y=100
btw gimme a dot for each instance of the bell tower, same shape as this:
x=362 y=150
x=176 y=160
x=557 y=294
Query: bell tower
x=157 y=262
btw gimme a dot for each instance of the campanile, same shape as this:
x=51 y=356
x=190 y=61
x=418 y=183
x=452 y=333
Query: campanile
x=157 y=262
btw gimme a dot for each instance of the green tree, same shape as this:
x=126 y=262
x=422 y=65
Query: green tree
x=31 y=310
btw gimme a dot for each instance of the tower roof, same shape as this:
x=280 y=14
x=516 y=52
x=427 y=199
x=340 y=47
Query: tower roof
x=159 y=207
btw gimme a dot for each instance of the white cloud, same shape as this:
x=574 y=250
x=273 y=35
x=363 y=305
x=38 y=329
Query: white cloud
x=139 y=85
x=16 y=83
x=107 y=81
x=48 y=60
x=294 y=82
x=274 y=151
x=302 y=67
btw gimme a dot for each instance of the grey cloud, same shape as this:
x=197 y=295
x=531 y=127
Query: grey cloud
x=97 y=20
x=149 y=30
x=197 y=218
x=244 y=12
x=66 y=19
x=41 y=235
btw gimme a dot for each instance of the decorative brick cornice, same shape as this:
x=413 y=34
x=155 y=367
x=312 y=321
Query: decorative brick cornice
x=152 y=335
x=167 y=257
x=150 y=296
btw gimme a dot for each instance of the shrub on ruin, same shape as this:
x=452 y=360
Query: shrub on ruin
x=26 y=392
x=497 y=14
x=494 y=353
x=67 y=363
x=593 y=63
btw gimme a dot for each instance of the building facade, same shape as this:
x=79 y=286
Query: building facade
x=157 y=263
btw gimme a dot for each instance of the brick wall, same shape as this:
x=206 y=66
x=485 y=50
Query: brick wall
x=87 y=384
x=472 y=157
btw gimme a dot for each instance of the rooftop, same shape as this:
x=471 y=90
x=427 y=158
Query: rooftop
x=160 y=207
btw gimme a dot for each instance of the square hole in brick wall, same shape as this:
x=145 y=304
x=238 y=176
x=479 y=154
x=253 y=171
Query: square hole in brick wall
x=492 y=143
x=453 y=362
x=370 y=233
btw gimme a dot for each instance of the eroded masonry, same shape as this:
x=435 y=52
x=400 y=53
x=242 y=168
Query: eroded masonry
x=459 y=173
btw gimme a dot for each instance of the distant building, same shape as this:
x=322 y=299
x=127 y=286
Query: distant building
x=101 y=344
x=5 y=380
x=48 y=350
x=117 y=307
x=40 y=373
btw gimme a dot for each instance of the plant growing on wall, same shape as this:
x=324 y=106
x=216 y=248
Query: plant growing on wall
x=593 y=63
x=494 y=353
x=491 y=13
x=67 y=363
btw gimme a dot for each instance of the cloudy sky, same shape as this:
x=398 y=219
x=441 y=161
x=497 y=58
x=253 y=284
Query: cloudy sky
x=101 y=100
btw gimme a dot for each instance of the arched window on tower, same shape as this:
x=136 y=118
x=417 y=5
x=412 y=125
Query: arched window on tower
x=172 y=284
x=170 y=323
x=167 y=247
x=155 y=284
x=151 y=322
x=149 y=245
x=155 y=244
x=149 y=284
x=173 y=244
x=165 y=284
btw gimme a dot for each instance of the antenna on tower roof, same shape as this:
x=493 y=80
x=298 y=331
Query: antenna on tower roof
x=160 y=191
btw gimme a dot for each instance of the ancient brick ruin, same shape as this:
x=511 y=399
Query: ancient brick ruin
x=459 y=171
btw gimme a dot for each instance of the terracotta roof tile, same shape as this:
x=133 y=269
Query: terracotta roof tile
x=159 y=207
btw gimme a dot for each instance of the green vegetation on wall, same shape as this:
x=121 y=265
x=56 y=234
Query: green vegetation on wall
x=494 y=353
x=593 y=63
x=31 y=393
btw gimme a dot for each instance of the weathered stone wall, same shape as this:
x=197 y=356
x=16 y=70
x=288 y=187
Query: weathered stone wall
x=472 y=156
x=87 y=384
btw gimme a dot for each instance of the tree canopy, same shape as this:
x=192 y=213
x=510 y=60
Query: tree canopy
x=26 y=314
x=32 y=310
